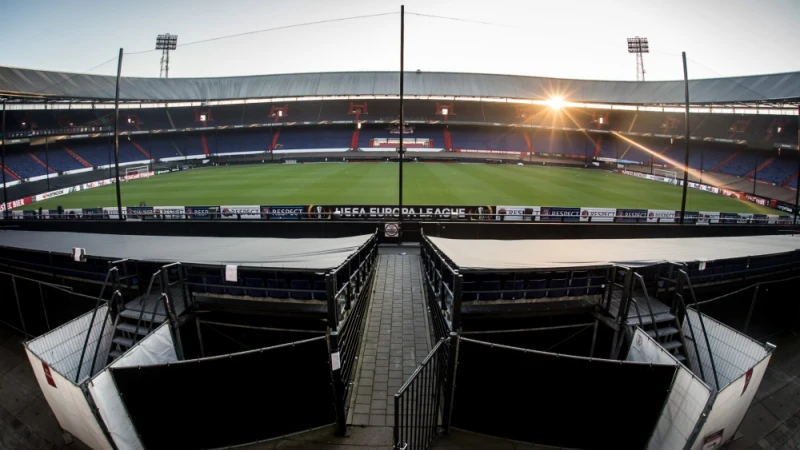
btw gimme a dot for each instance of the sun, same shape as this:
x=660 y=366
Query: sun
x=556 y=102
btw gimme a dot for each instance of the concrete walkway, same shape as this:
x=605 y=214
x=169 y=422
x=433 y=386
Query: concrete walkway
x=26 y=421
x=397 y=338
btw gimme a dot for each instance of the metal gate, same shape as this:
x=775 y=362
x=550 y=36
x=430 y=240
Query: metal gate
x=420 y=404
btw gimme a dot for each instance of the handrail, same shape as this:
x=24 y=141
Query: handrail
x=141 y=303
x=702 y=326
x=91 y=323
x=694 y=340
x=639 y=277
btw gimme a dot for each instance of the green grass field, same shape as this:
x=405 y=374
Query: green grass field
x=424 y=184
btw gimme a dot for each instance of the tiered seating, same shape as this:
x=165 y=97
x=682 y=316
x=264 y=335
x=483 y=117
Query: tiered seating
x=477 y=139
x=539 y=286
x=59 y=160
x=778 y=171
x=96 y=153
x=726 y=270
x=266 y=285
x=741 y=165
x=23 y=165
x=160 y=147
x=300 y=138
x=228 y=142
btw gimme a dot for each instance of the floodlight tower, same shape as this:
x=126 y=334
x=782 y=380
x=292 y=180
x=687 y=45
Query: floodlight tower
x=165 y=43
x=639 y=45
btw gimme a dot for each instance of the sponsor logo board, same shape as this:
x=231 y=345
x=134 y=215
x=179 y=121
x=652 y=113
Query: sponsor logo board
x=241 y=212
x=292 y=212
x=169 y=212
x=202 y=212
x=598 y=214
x=555 y=214
x=660 y=215
x=139 y=212
x=632 y=215
x=517 y=213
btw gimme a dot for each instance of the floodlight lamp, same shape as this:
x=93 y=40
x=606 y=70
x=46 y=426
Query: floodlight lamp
x=280 y=113
x=780 y=129
x=202 y=117
x=130 y=120
x=601 y=121
x=445 y=111
x=23 y=124
x=556 y=102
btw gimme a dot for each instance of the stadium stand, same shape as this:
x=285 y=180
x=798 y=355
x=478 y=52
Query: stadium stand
x=300 y=138
x=245 y=141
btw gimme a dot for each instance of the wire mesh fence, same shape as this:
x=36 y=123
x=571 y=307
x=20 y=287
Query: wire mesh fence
x=34 y=307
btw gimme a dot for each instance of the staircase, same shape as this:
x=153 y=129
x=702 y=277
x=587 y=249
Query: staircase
x=177 y=149
x=42 y=163
x=790 y=179
x=354 y=139
x=725 y=161
x=78 y=158
x=651 y=315
x=204 y=141
x=10 y=172
x=145 y=313
x=141 y=149
x=528 y=142
x=761 y=167
x=171 y=122
x=448 y=140
x=275 y=140
x=598 y=145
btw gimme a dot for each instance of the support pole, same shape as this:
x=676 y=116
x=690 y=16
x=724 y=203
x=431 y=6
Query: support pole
x=755 y=174
x=402 y=121
x=687 y=137
x=796 y=194
x=47 y=159
x=116 y=138
x=5 y=188
x=338 y=385
x=752 y=307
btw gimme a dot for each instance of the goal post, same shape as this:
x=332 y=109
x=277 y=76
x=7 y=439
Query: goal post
x=135 y=171
x=666 y=173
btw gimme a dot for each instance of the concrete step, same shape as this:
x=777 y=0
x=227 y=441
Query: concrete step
x=131 y=328
x=663 y=332
x=671 y=345
x=123 y=341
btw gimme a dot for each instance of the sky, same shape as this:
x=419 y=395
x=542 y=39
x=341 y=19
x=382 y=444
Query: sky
x=584 y=39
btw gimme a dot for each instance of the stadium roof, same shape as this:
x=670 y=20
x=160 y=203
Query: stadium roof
x=29 y=83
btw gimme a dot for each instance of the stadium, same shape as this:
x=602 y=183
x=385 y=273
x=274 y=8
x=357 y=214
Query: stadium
x=403 y=260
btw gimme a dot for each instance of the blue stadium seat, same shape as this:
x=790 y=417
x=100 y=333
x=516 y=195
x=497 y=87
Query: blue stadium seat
x=320 y=285
x=468 y=286
x=216 y=280
x=277 y=284
x=533 y=287
x=230 y=290
x=196 y=283
x=578 y=287
x=596 y=284
x=489 y=290
x=557 y=283
x=300 y=284
x=518 y=286
x=255 y=283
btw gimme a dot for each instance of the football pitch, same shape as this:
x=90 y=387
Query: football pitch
x=423 y=184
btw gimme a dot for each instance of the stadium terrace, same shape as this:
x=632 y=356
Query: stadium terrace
x=560 y=246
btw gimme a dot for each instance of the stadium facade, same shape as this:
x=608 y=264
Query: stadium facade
x=652 y=364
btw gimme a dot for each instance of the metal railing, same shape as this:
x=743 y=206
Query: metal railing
x=419 y=404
